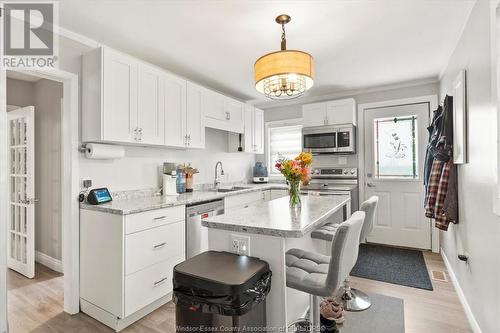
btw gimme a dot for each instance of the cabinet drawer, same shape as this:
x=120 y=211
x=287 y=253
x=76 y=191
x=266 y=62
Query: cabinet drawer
x=242 y=200
x=146 y=286
x=153 y=218
x=145 y=248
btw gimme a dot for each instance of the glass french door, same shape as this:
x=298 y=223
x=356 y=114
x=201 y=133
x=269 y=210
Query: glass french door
x=21 y=214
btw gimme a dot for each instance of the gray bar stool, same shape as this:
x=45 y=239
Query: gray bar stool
x=320 y=275
x=354 y=299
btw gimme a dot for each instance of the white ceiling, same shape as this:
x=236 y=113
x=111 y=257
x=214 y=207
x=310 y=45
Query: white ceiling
x=356 y=44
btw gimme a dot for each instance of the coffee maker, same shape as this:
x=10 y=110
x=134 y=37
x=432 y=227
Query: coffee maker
x=260 y=173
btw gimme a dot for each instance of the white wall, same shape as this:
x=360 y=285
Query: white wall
x=45 y=96
x=478 y=231
x=48 y=218
x=141 y=166
x=20 y=93
x=295 y=111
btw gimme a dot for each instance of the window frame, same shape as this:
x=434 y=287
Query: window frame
x=268 y=126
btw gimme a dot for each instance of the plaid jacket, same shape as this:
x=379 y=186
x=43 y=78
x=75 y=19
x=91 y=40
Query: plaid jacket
x=438 y=190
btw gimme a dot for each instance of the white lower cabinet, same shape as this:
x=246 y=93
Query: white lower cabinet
x=238 y=201
x=126 y=262
x=276 y=193
x=146 y=286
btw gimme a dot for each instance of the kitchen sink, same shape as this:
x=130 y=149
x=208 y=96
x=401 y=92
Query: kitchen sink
x=230 y=189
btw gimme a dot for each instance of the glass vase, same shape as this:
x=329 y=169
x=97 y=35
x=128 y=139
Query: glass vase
x=294 y=192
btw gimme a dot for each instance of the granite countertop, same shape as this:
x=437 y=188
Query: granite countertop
x=142 y=203
x=275 y=218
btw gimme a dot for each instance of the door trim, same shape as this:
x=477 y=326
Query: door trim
x=69 y=189
x=362 y=108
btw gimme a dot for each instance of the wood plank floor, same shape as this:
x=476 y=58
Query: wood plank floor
x=37 y=306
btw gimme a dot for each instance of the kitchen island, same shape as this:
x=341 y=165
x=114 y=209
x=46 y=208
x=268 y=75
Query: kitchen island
x=270 y=229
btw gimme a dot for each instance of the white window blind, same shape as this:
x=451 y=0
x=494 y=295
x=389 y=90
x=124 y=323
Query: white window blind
x=285 y=141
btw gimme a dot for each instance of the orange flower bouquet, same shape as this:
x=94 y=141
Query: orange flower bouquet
x=296 y=172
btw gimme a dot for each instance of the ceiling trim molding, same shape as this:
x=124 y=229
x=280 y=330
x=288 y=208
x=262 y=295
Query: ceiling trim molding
x=78 y=37
x=342 y=94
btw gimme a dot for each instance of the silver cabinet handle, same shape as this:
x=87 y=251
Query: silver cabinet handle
x=157 y=283
x=159 y=218
x=135 y=132
x=370 y=184
x=159 y=246
x=228 y=116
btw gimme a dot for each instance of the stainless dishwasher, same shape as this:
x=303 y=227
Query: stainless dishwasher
x=196 y=234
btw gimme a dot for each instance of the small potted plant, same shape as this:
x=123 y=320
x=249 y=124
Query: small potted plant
x=296 y=172
x=190 y=172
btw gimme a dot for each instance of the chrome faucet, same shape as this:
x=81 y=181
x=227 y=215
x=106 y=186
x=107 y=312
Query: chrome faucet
x=216 y=179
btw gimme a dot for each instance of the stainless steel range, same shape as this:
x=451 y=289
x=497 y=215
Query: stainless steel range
x=334 y=181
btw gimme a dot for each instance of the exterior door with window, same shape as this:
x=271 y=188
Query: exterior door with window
x=21 y=213
x=395 y=143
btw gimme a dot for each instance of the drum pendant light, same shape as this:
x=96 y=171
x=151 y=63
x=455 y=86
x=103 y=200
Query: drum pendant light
x=284 y=74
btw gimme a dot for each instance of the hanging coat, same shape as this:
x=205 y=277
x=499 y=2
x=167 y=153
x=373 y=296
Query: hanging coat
x=441 y=200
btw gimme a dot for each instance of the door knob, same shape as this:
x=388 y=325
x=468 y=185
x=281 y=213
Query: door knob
x=370 y=184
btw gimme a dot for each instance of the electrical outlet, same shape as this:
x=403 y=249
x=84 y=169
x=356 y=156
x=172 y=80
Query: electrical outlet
x=85 y=183
x=240 y=245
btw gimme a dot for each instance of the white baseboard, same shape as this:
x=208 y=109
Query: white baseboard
x=54 y=264
x=468 y=312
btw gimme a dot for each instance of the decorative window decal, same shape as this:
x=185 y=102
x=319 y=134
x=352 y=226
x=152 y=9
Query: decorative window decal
x=396 y=142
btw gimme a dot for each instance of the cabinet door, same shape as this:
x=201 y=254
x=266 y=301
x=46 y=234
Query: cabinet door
x=120 y=97
x=233 y=113
x=151 y=116
x=248 y=128
x=175 y=111
x=213 y=104
x=341 y=111
x=195 y=124
x=314 y=114
x=258 y=131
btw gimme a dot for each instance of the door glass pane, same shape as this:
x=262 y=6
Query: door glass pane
x=395 y=144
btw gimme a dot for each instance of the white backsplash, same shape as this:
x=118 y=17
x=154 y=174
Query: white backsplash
x=141 y=166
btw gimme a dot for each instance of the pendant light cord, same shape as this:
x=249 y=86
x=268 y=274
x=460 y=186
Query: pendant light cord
x=283 y=37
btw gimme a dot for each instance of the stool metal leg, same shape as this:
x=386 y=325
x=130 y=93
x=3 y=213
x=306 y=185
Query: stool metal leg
x=354 y=299
x=314 y=313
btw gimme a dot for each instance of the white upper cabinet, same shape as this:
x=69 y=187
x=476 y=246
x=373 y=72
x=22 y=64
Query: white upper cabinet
x=121 y=100
x=258 y=131
x=314 y=114
x=222 y=112
x=127 y=101
x=175 y=111
x=233 y=111
x=119 y=116
x=213 y=105
x=253 y=134
x=341 y=111
x=195 y=119
x=150 y=105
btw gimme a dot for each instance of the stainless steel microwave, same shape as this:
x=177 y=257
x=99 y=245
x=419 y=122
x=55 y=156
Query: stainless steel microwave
x=330 y=139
